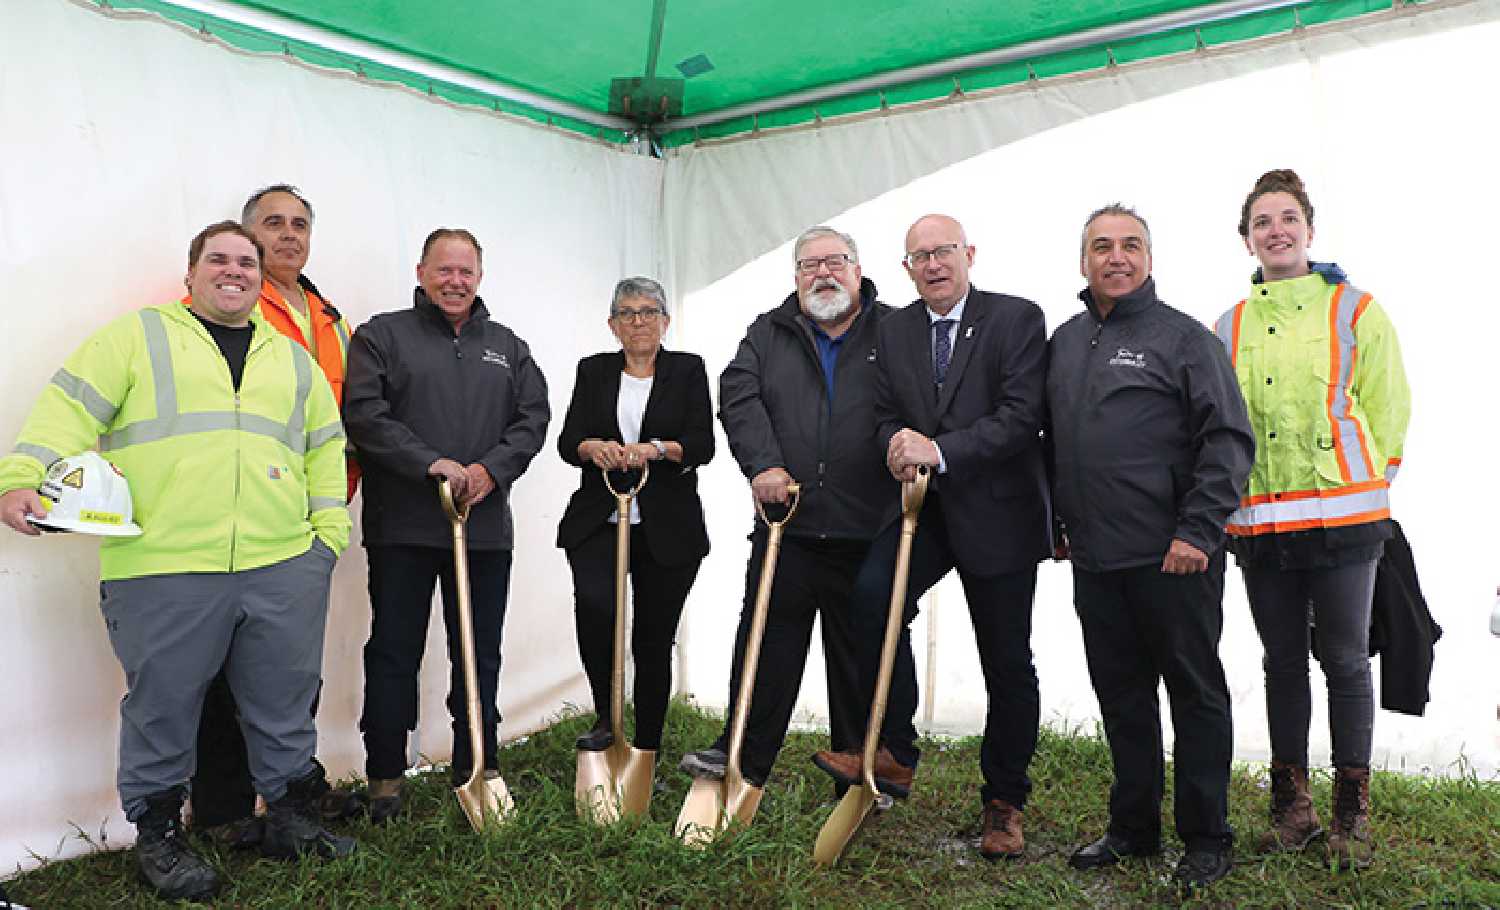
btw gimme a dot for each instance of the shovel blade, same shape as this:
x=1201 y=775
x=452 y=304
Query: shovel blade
x=698 y=822
x=637 y=779
x=596 y=791
x=843 y=824
x=486 y=802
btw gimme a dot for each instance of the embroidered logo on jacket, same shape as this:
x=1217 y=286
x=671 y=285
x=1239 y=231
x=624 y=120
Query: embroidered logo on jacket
x=1124 y=357
x=493 y=357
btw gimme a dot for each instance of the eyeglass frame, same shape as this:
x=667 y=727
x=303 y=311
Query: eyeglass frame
x=638 y=317
x=943 y=252
x=811 y=264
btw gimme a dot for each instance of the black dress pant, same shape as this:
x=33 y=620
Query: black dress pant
x=814 y=578
x=658 y=594
x=1141 y=627
x=222 y=790
x=401 y=580
x=1000 y=610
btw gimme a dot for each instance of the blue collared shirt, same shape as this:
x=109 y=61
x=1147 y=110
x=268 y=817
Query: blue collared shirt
x=828 y=353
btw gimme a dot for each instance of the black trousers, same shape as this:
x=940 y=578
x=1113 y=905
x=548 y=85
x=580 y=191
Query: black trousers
x=814 y=578
x=222 y=791
x=1000 y=610
x=658 y=594
x=401 y=580
x=1143 y=627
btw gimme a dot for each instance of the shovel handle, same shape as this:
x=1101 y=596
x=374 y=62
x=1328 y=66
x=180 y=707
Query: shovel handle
x=794 y=499
x=912 y=494
x=622 y=567
x=451 y=508
x=465 y=611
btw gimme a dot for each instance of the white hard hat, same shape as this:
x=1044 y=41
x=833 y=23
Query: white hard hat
x=86 y=493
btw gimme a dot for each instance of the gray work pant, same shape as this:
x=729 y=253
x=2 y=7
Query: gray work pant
x=172 y=633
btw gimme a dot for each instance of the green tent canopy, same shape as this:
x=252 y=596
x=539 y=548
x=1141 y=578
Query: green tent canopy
x=703 y=69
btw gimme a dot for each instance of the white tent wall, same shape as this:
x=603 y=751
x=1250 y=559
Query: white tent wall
x=1398 y=161
x=120 y=137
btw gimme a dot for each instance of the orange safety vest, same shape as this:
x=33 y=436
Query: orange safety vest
x=328 y=328
x=332 y=335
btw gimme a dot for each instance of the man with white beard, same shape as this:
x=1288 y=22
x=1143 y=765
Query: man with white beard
x=798 y=405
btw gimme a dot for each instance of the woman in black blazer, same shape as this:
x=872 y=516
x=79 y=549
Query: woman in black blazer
x=638 y=404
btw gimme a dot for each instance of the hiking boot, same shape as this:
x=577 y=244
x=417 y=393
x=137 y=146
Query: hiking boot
x=385 y=800
x=848 y=768
x=1349 y=844
x=292 y=824
x=707 y=764
x=1199 y=868
x=163 y=857
x=1294 y=821
x=1002 y=838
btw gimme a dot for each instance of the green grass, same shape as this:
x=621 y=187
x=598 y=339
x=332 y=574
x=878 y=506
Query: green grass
x=1438 y=845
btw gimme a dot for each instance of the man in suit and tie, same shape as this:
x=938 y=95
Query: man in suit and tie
x=960 y=390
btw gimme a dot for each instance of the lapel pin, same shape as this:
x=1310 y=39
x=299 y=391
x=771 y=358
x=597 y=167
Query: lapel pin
x=969 y=333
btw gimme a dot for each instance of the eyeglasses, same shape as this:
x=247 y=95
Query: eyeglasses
x=836 y=262
x=943 y=254
x=649 y=314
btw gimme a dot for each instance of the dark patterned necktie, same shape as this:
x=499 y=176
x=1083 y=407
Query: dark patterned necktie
x=942 y=350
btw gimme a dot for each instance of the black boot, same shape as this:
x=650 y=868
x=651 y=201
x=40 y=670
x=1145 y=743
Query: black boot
x=165 y=860
x=292 y=823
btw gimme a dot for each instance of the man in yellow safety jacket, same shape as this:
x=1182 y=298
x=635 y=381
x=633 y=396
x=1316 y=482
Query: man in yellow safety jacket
x=231 y=442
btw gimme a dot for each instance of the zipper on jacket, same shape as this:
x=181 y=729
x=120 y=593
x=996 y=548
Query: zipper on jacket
x=1079 y=416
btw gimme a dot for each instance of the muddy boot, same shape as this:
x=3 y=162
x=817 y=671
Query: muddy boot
x=165 y=860
x=1349 y=836
x=293 y=826
x=1294 y=821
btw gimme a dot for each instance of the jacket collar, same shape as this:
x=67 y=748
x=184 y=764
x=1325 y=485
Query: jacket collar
x=1329 y=271
x=477 y=312
x=1138 y=300
x=790 y=312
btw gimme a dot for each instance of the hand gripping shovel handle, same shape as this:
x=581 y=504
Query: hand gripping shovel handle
x=457 y=516
x=733 y=777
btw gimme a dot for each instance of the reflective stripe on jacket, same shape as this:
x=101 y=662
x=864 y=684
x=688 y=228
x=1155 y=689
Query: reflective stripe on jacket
x=329 y=330
x=1320 y=368
x=220 y=481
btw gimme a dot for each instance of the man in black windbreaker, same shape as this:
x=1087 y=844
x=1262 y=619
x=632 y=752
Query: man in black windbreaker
x=436 y=391
x=1152 y=448
x=797 y=403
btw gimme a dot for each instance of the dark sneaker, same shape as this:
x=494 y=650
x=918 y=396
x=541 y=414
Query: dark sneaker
x=164 y=859
x=596 y=740
x=1108 y=850
x=1200 y=868
x=705 y=763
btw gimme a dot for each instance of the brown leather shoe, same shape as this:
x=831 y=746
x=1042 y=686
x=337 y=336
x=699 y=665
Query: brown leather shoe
x=1002 y=831
x=891 y=776
x=1294 y=821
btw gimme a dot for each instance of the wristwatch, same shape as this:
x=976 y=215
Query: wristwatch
x=661 y=448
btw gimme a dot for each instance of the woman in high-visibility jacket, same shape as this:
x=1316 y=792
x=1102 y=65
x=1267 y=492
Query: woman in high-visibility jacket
x=1320 y=369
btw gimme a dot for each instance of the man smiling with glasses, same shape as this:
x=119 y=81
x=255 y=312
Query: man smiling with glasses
x=960 y=391
x=821 y=339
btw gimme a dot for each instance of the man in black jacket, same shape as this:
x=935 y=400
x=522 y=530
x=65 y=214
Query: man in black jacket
x=436 y=391
x=960 y=390
x=1152 y=448
x=797 y=403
